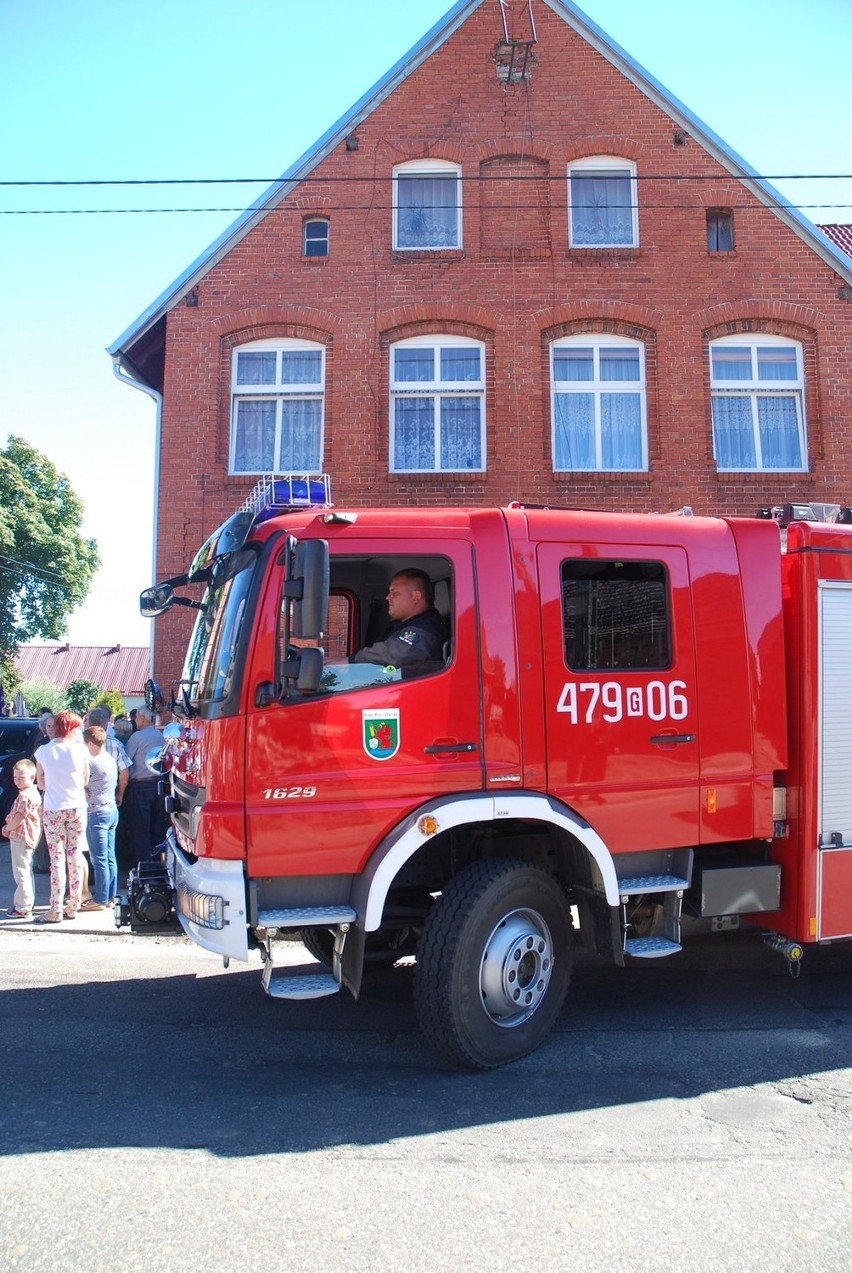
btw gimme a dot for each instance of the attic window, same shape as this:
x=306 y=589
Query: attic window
x=720 y=230
x=426 y=205
x=315 y=237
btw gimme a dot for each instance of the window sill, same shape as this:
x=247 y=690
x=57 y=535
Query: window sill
x=427 y=254
x=314 y=260
x=442 y=475
x=755 y=476
x=595 y=475
x=604 y=254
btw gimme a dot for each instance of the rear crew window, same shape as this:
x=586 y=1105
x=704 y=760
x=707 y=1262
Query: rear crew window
x=615 y=615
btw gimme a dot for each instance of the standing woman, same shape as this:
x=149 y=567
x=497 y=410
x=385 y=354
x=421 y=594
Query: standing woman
x=63 y=772
x=101 y=819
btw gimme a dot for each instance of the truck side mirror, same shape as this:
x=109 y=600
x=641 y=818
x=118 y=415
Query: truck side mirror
x=156 y=601
x=311 y=663
x=310 y=610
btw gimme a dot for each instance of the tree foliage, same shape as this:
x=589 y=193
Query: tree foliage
x=42 y=693
x=111 y=699
x=82 y=694
x=46 y=565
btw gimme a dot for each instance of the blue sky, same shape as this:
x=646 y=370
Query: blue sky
x=200 y=89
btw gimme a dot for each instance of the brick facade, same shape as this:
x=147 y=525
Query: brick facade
x=515 y=285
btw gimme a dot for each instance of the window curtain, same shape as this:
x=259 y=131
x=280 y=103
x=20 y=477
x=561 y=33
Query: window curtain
x=575 y=432
x=733 y=432
x=621 y=431
x=600 y=210
x=779 y=432
x=427 y=212
x=254 y=444
x=301 y=367
x=299 y=451
x=460 y=434
x=414 y=434
x=256 y=368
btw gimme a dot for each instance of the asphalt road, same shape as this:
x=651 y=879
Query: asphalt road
x=160 y=1113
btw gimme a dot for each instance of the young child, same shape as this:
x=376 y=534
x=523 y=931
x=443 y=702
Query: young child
x=23 y=828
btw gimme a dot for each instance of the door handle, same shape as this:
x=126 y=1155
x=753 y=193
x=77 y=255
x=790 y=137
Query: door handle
x=438 y=749
x=664 y=739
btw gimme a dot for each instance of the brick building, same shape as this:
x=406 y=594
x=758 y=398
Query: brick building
x=516 y=269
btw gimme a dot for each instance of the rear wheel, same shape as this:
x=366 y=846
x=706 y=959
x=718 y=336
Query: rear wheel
x=494 y=963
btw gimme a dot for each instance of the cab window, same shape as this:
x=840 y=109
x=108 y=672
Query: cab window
x=615 y=614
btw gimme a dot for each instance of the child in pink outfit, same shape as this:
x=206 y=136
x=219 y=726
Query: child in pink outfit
x=23 y=829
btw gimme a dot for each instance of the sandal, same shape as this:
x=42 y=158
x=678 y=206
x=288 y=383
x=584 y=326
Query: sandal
x=14 y=914
x=92 y=905
x=48 y=918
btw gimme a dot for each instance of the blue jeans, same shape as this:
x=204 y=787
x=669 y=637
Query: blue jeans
x=100 y=833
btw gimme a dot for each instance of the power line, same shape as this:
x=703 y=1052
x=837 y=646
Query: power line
x=374 y=207
x=28 y=568
x=314 y=180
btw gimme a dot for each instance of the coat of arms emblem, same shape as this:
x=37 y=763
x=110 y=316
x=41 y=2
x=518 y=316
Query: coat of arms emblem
x=380 y=733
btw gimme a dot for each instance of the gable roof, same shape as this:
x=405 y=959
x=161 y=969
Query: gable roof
x=452 y=20
x=125 y=668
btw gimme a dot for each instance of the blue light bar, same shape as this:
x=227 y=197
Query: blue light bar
x=283 y=492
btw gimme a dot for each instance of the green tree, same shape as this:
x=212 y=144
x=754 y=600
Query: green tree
x=46 y=565
x=41 y=693
x=113 y=700
x=82 y=695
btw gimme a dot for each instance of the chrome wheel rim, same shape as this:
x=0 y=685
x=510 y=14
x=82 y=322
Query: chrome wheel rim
x=516 y=967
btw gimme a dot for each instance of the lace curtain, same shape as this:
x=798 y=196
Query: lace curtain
x=427 y=212
x=777 y=432
x=620 y=432
x=414 y=434
x=299 y=442
x=601 y=212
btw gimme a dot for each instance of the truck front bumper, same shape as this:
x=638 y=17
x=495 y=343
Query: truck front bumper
x=210 y=900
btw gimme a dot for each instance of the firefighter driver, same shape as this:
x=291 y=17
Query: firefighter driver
x=416 y=633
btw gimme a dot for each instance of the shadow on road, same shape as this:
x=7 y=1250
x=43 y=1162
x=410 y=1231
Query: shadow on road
x=208 y=1062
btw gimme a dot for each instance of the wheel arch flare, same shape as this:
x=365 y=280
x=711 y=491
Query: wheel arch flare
x=371 y=887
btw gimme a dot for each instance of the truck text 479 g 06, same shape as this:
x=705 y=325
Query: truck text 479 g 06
x=629 y=718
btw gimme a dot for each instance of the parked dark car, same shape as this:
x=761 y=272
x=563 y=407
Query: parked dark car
x=19 y=737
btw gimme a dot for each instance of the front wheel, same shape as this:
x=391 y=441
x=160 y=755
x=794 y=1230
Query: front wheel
x=494 y=963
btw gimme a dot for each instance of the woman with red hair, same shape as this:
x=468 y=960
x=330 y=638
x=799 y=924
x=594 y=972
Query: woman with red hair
x=62 y=774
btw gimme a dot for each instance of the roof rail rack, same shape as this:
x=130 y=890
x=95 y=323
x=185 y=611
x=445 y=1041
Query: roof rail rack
x=284 y=492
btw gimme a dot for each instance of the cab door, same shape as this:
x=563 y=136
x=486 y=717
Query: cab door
x=327 y=776
x=619 y=678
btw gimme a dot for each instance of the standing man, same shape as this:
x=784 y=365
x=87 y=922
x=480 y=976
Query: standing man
x=143 y=807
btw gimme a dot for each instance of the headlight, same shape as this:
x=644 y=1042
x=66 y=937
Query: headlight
x=204 y=909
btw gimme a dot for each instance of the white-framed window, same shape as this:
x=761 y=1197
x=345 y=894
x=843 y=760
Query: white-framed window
x=757 y=393
x=427 y=211
x=598 y=404
x=277 y=395
x=437 y=405
x=602 y=203
x=315 y=237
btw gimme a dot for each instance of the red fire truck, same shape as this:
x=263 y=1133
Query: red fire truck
x=634 y=719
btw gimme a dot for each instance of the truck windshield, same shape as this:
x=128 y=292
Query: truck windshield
x=211 y=662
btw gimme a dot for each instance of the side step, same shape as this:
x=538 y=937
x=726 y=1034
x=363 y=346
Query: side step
x=306 y=917
x=313 y=985
x=310 y=985
x=650 y=947
x=672 y=887
x=634 y=885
